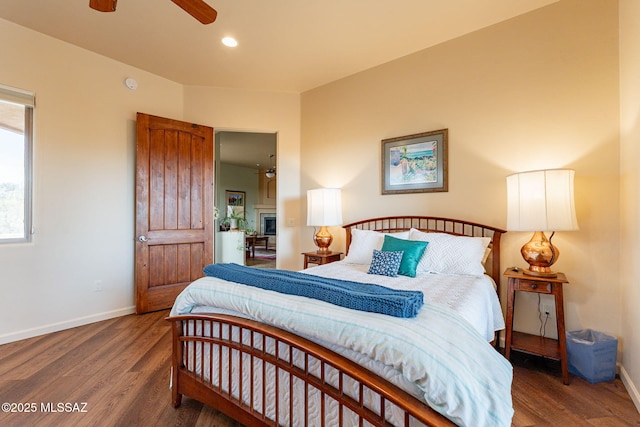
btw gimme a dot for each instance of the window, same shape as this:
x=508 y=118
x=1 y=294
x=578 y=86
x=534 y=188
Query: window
x=16 y=134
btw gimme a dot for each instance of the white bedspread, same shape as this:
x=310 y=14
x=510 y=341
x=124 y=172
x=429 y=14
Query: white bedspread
x=472 y=297
x=438 y=353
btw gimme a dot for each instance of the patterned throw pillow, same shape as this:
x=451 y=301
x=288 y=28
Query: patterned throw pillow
x=386 y=263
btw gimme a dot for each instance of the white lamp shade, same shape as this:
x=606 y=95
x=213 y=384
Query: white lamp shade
x=541 y=201
x=324 y=207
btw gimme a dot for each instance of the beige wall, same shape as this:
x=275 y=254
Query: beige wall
x=630 y=193
x=538 y=91
x=84 y=177
x=83 y=183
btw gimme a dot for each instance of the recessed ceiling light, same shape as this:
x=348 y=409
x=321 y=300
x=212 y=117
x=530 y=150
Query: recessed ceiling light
x=229 y=41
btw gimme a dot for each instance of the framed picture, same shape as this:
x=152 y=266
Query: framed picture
x=415 y=163
x=235 y=203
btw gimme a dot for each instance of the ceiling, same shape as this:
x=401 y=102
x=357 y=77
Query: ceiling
x=248 y=149
x=284 y=45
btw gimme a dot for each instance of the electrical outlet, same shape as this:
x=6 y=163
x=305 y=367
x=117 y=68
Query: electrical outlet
x=548 y=309
x=97 y=286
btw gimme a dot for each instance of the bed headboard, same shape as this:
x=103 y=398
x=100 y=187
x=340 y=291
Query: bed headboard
x=394 y=224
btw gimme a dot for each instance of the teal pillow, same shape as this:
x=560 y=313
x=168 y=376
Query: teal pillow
x=412 y=249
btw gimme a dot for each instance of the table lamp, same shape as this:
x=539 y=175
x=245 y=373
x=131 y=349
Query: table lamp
x=541 y=201
x=324 y=208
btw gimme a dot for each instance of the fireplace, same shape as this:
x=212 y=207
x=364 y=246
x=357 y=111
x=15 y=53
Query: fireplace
x=268 y=224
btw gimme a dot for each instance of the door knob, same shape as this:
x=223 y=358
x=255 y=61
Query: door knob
x=143 y=239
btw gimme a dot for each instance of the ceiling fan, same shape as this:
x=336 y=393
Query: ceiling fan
x=199 y=9
x=271 y=172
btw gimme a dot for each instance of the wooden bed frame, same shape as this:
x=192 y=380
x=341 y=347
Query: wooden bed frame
x=226 y=339
x=433 y=224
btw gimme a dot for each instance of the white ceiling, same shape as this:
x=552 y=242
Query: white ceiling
x=248 y=149
x=285 y=45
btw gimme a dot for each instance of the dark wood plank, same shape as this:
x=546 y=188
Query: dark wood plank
x=184 y=182
x=156 y=179
x=540 y=398
x=43 y=349
x=197 y=180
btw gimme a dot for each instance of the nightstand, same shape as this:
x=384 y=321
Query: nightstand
x=316 y=258
x=534 y=344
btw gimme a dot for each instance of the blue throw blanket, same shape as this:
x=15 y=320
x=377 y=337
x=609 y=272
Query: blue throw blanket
x=354 y=295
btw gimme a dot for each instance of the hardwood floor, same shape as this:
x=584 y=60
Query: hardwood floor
x=541 y=399
x=120 y=369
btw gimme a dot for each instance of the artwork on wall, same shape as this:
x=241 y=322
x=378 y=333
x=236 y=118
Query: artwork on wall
x=415 y=163
x=235 y=203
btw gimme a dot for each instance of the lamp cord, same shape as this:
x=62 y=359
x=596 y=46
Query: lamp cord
x=543 y=325
x=541 y=330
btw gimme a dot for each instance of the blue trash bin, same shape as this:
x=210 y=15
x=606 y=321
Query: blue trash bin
x=592 y=355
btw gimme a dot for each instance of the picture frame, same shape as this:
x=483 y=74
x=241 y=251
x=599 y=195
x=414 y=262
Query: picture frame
x=235 y=203
x=415 y=163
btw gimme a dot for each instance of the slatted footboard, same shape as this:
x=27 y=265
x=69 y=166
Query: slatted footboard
x=264 y=376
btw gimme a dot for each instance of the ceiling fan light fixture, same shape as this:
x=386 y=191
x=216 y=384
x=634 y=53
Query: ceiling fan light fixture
x=229 y=41
x=270 y=173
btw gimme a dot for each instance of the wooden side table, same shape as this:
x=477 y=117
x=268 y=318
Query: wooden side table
x=534 y=344
x=319 y=259
x=253 y=241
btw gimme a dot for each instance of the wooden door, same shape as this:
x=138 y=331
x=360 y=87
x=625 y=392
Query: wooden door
x=174 y=208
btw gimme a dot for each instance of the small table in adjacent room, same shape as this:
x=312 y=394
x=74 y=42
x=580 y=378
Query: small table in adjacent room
x=252 y=241
x=534 y=344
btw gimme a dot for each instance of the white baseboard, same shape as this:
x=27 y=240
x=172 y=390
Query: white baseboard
x=631 y=387
x=66 y=324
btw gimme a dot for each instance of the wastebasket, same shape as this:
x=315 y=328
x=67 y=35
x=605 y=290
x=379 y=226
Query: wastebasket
x=592 y=355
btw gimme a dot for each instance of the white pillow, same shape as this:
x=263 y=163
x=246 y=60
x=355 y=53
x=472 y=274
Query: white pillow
x=449 y=254
x=363 y=242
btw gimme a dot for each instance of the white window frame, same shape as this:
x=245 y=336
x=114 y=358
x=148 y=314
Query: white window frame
x=26 y=99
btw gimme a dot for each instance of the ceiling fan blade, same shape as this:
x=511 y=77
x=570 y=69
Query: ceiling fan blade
x=103 y=5
x=198 y=9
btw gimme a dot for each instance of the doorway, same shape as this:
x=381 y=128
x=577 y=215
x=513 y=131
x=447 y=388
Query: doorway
x=246 y=171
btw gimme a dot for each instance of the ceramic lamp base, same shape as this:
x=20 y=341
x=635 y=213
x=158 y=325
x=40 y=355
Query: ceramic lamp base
x=323 y=240
x=540 y=254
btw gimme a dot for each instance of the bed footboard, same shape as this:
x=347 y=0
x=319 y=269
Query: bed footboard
x=264 y=376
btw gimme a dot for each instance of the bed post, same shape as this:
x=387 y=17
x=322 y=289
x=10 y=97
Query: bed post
x=495 y=263
x=176 y=361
